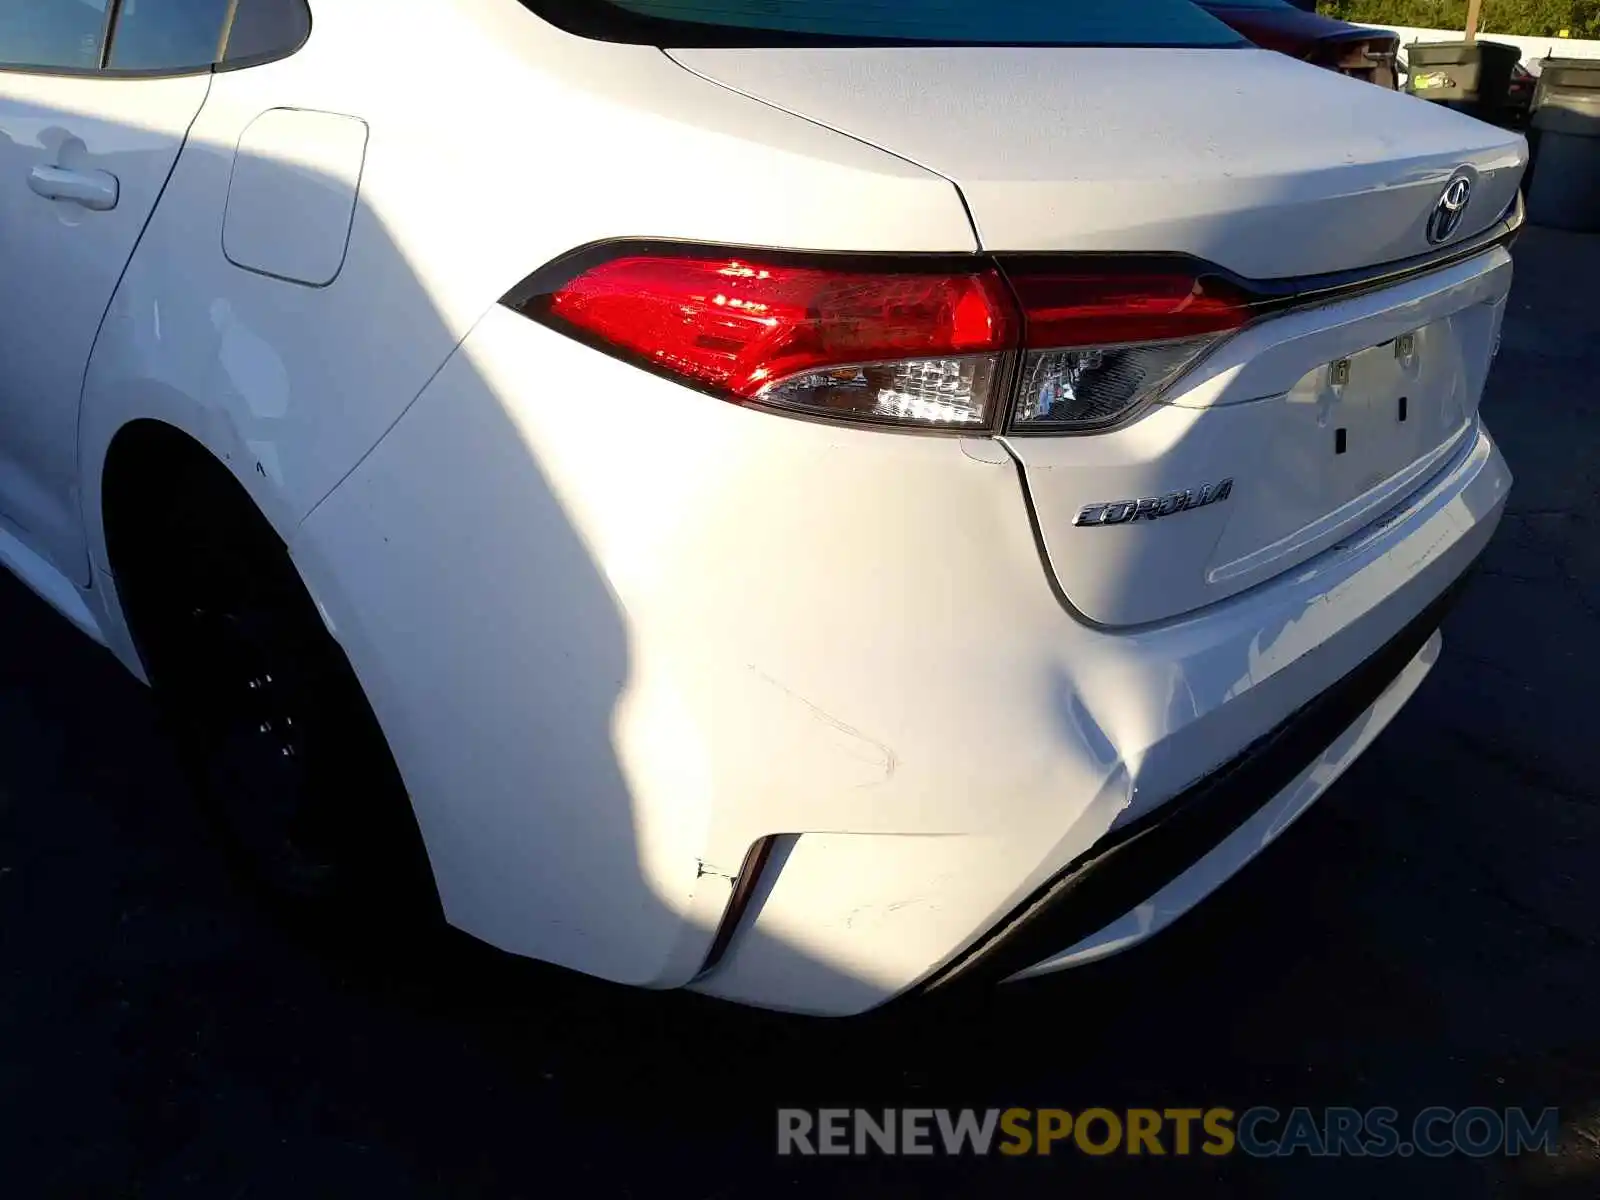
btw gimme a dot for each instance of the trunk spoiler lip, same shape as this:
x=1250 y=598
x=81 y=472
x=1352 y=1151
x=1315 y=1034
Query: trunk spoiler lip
x=1319 y=289
x=1275 y=295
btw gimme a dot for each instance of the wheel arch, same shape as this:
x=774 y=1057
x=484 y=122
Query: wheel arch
x=176 y=519
x=149 y=464
x=146 y=461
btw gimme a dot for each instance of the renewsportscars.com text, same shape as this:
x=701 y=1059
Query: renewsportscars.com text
x=1261 y=1131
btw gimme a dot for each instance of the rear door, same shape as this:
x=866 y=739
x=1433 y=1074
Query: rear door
x=88 y=136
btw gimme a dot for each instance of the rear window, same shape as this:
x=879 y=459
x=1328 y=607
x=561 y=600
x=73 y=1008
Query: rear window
x=890 y=22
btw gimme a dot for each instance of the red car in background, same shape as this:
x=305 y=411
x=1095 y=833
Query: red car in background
x=1354 y=50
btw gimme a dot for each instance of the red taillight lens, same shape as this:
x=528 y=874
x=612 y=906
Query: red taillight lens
x=743 y=326
x=1100 y=308
x=901 y=344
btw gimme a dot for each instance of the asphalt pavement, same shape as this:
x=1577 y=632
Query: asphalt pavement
x=1428 y=934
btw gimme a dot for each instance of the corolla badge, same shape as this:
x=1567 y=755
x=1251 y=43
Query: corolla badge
x=1120 y=512
x=1451 y=207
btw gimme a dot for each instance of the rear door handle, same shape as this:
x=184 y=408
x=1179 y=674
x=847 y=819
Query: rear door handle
x=92 y=189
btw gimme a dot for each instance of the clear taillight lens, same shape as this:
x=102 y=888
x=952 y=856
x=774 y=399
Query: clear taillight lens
x=1084 y=389
x=955 y=392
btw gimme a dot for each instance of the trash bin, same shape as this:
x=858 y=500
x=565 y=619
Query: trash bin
x=1565 y=187
x=1472 y=76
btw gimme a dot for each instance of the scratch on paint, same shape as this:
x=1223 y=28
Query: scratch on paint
x=879 y=910
x=891 y=761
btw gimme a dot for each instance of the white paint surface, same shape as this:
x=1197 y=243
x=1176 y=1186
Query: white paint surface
x=1105 y=149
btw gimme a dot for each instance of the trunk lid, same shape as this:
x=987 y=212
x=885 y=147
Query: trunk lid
x=1322 y=419
x=1246 y=158
x=1324 y=424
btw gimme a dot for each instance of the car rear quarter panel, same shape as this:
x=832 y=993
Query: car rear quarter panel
x=495 y=143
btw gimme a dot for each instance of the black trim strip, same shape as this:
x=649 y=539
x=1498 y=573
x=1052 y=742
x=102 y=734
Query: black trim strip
x=1306 y=290
x=1274 y=296
x=1129 y=865
x=228 y=19
x=108 y=31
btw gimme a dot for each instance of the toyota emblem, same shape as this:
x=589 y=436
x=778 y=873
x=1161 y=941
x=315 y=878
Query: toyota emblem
x=1447 y=213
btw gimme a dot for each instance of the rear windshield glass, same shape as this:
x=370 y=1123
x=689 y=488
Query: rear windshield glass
x=891 y=22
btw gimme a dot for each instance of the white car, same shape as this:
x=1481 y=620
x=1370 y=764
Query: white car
x=803 y=501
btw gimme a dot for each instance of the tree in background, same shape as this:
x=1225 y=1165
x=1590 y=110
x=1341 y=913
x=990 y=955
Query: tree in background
x=1536 y=18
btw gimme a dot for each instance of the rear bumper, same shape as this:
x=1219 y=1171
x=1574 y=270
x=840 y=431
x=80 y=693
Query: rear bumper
x=1255 y=698
x=618 y=633
x=1154 y=869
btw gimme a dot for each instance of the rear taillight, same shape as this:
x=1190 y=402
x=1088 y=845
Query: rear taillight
x=1102 y=342
x=913 y=343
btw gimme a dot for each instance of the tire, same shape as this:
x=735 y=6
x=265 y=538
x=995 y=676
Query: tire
x=279 y=742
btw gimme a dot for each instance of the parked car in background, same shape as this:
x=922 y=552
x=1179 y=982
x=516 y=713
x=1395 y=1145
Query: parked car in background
x=798 y=505
x=1301 y=32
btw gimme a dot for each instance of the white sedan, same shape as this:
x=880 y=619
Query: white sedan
x=801 y=501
